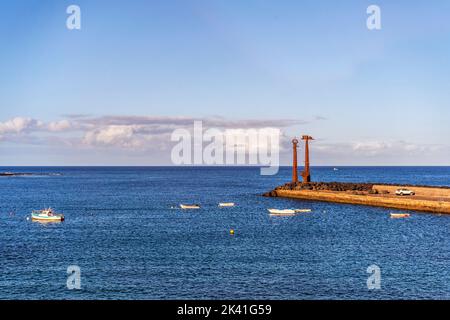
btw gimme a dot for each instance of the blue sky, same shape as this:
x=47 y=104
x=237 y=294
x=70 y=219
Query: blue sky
x=369 y=97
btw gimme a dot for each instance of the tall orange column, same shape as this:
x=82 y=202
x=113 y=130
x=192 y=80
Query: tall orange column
x=306 y=174
x=294 y=161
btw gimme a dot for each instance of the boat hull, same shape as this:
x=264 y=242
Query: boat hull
x=41 y=218
x=282 y=214
x=400 y=215
x=278 y=211
x=226 y=204
x=184 y=206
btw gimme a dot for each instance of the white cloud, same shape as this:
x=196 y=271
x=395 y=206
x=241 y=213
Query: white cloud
x=130 y=132
x=17 y=125
x=371 y=147
x=61 y=125
x=379 y=152
x=115 y=135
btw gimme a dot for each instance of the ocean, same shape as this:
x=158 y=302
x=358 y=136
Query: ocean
x=124 y=231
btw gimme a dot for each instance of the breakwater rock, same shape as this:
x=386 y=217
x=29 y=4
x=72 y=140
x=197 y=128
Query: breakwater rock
x=324 y=186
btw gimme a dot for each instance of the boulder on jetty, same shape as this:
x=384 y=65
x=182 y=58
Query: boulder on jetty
x=272 y=193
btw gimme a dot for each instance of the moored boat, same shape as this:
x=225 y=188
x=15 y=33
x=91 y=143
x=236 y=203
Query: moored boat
x=46 y=215
x=400 y=215
x=226 y=204
x=189 y=206
x=282 y=212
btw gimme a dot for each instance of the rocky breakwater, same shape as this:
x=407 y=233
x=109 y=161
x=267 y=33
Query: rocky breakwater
x=426 y=198
x=362 y=188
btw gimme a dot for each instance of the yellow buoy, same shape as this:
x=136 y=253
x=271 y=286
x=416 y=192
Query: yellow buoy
x=231 y=231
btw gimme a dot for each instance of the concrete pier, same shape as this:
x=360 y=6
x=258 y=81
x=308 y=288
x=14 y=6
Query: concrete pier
x=427 y=199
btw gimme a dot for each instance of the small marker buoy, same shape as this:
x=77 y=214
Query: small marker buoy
x=231 y=231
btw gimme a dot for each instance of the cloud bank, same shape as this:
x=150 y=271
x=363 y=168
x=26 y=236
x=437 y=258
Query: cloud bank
x=102 y=139
x=120 y=132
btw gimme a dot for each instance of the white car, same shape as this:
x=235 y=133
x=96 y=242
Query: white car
x=404 y=192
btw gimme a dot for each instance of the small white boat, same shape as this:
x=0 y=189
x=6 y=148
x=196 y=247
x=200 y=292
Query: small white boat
x=226 y=204
x=46 y=215
x=189 y=206
x=400 y=215
x=282 y=212
x=335 y=169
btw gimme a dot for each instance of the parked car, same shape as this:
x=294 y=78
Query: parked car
x=404 y=192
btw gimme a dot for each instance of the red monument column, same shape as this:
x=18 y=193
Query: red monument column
x=294 y=160
x=306 y=174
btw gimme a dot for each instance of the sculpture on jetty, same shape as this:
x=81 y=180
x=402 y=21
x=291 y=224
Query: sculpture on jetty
x=294 y=161
x=305 y=173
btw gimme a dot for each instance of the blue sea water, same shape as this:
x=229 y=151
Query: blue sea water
x=121 y=231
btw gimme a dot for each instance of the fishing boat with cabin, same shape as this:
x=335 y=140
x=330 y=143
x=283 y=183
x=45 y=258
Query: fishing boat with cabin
x=46 y=215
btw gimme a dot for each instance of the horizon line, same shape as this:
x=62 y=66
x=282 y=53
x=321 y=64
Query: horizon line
x=210 y=166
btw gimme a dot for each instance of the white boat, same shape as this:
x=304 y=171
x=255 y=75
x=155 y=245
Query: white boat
x=400 y=215
x=282 y=212
x=189 y=206
x=226 y=204
x=46 y=215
